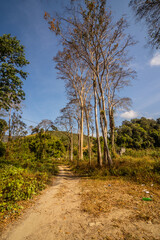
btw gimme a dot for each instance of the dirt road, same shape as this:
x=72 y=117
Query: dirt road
x=57 y=215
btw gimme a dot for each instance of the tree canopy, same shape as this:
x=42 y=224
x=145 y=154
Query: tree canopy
x=139 y=133
x=12 y=60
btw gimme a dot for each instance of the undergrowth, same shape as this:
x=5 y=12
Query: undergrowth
x=140 y=169
x=22 y=182
x=23 y=175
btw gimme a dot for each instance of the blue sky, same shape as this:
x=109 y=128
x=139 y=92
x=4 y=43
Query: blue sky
x=45 y=94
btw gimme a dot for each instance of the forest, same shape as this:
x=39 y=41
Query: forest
x=95 y=67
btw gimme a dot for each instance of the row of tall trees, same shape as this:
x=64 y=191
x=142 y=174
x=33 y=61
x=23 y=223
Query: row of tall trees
x=95 y=65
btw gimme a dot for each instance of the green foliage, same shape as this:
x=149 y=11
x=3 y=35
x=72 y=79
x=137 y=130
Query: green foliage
x=44 y=145
x=22 y=174
x=36 y=147
x=12 y=60
x=150 y=153
x=18 y=184
x=139 y=134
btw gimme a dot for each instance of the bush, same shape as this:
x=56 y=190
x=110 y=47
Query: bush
x=18 y=184
x=2 y=149
x=152 y=153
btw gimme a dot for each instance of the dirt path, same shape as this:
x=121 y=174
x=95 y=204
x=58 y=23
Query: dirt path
x=57 y=215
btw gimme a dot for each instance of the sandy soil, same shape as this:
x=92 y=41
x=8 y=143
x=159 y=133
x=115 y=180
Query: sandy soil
x=58 y=215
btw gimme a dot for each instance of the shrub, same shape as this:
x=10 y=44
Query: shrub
x=2 y=149
x=18 y=184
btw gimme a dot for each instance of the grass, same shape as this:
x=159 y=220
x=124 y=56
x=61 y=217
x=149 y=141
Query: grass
x=134 y=176
x=104 y=196
x=139 y=168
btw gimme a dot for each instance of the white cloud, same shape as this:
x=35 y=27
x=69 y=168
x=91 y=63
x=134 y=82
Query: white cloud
x=129 y=115
x=155 y=61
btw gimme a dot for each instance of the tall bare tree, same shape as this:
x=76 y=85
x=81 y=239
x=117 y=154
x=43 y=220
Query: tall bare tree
x=78 y=82
x=90 y=32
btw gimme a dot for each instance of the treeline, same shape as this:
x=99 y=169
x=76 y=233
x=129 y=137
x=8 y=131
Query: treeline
x=139 y=134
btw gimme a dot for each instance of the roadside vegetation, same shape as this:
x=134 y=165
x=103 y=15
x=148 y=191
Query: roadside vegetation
x=26 y=167
x=138 y=166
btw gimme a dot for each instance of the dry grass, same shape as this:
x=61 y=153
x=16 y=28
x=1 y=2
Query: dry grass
x=118 y=205
x=100 y=197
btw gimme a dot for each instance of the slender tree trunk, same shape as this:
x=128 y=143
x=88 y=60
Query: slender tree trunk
x=9 y=126
x=105 y=143
x=81 y=133
x=79 y=143
x=99 y=154
x=112 y=127
x=71 y=147
x=103 y=121
x=105 y=160
x=88 y=132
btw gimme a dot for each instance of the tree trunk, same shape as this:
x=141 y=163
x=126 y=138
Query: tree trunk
x=79 y=144
x=112 y=128
x=88 y=132
x=103 y=120
x=81 y=133
x=71 y=147
x=9 y=126
x=105 y=160
x=105 y=142
x=99 y=154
